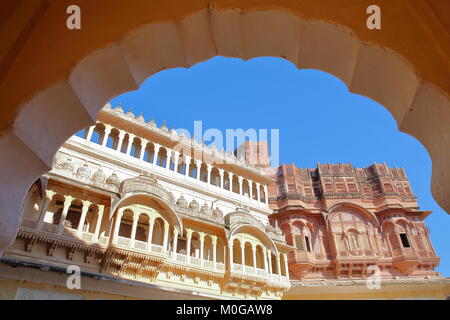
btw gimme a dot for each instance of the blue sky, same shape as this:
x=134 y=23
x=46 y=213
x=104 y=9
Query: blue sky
x=318 y=118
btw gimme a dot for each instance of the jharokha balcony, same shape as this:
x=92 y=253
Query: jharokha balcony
x=147 y=234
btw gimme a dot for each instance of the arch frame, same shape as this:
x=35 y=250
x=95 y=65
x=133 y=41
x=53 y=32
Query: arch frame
x=422 y=110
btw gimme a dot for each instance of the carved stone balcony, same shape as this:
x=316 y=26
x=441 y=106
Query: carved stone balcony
x=301 y=262
x=407 y=260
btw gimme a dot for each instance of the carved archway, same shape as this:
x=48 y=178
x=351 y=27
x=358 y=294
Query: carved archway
x=196 y=34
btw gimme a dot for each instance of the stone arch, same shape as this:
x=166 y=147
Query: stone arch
x=248 y=254
x=420 y=108
x=363 y=211
x=158 y=232
x=98 y=134
x=113 y=139
x=220 y=251
x=165 y=210
x=208 y=248
x=259 y=257
x=237 y=251
x=257 y=233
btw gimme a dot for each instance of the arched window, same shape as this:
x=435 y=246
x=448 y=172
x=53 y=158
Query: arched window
x=353 y=239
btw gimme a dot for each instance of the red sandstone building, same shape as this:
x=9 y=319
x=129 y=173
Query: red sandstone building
x=343 y=219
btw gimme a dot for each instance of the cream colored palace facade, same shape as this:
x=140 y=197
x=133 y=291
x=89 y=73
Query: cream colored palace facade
x=143 y=219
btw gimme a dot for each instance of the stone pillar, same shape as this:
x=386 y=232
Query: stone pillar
x=175 y=161
x=67 y=202
x=121 y=136
x=144 y=143
x=155 y=155
x=199 y=167
x=117 y=225
x=151 y=224
x=269 y=256
x=175 y=243
x=221 y=171
x=266 y=195
x=48 y=199
x=230 y=250
x=250 y=189
x=187 y=160
x=240 y=184
x=133 y=229
x=106 y=135
x=84 y=211
x=286 y=265
x=214 y=244
x=208 y=169
x=254 y=258
x=166 y=235
x=89 y=133
x=188 y=246
x=278 y=265
x=130 y=142
x=258 y=191
x=243 y=256
x=230 y=178
x=265 y=261
x=202 y=247
x=169 y=155
x=101 y=209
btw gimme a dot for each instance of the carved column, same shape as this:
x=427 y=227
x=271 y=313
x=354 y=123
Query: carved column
x=121 y=136
x=117 y=225
x=266 y=195
x=265 y=260
x=89 y=133
x=214 y=244
x=278 y=265
x=208 y=169
x=243 y=256
x=269 y=256
x=187 y=160
x=221 y=171
x=144 y=143
x=62 y=219
x=101 y=209
x=254 y=258
x=188 y=246
x=175 y=161
x=240 y=179
x=168 y=156
x=106 y=135
x=199 y=167
x=286 y=265
x=175 y=243
x=258 y=191
x=166 y=235
x=151 y=224
x=84 y=211
x=48 y=199
x=155 y=155
x=202 y=247
x=250 y=189
x=230 y=251
x=133 y=229
x=230 y=179
x=130 y=142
